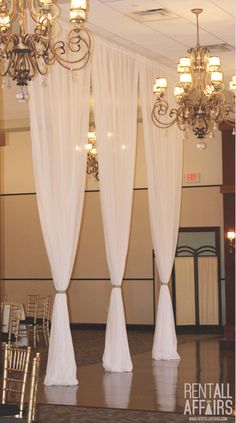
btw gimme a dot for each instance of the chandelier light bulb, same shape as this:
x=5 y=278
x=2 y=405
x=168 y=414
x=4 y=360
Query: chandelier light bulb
x=232 y=84
x=178 y=91
x=78 y=4
x=78 y=10
x=162 y=82
x=214 y=62
x=185 y=78
x=88 y=146
x=216 y=77
x=185 y=62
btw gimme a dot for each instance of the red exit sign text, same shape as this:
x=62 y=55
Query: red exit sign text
x=192 y=178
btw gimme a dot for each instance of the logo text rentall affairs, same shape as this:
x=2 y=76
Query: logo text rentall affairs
x=207 y=399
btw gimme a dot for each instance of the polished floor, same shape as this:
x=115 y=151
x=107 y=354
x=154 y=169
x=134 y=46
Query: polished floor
x=163 y=386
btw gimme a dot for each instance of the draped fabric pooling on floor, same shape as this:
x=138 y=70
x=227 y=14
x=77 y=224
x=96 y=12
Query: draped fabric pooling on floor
x=164 y=150
x=115 y=84
x=59 y=115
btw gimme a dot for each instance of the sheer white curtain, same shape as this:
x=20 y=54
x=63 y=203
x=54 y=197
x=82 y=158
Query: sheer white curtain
x=59 y=116
x=115 y=78
x=164 y=171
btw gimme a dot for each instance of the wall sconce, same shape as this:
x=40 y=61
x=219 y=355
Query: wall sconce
x=231 y=237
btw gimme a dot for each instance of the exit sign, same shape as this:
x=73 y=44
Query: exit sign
x=192 y=178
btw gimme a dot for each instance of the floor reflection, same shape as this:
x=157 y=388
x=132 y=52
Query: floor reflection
x=153 y=385
x=165 y=375
x=116 y=387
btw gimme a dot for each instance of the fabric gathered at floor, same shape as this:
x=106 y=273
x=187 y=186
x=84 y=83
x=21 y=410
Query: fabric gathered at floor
x=58 y=130
x=116 y=143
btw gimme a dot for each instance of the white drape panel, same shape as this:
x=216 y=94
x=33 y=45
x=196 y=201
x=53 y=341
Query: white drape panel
x=59 y=116
x=164 y=170
x=115 y=77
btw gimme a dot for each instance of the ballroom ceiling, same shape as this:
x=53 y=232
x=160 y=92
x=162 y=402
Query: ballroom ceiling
x=163 y=30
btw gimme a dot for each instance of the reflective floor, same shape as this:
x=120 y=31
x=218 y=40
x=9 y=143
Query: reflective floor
x=206 y=364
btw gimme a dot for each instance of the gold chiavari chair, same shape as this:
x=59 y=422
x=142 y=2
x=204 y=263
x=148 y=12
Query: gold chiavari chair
x=33 y=389
x=38 y=317
x=31 y=412
x=15 y=373
x=10 y=333
x=43 y=317
x=30 y=318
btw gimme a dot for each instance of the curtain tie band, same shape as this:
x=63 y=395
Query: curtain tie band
x=163 y=283
x=60 y=292
x=115 y=286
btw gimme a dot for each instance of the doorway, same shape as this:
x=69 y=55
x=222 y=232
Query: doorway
x=196 y=280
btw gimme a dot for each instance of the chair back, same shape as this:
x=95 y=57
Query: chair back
x=33 y=389
x=16 y=364
x=32 y=301
x=44 y=307
x=14 y=322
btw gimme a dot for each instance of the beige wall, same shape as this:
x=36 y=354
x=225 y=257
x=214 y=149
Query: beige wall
x=23 y=254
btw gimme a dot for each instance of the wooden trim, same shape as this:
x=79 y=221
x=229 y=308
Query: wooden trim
x=227 y=189
x=229 y=331
x=102 y=326
x=224 y=126
x=2 y=139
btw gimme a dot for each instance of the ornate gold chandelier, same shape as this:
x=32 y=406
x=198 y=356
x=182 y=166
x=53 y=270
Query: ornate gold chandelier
x=23 y=54
x=200 y=95
x=92 y=163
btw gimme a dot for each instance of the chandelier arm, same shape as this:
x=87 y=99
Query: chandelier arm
x=161 y=109
x=7 y=56
x=3 y=46
x=22 y=22
x=74 y=46
x=12 y=13
x=7 y=69
x=35 y=57
x=35 y=15
x=227 y=110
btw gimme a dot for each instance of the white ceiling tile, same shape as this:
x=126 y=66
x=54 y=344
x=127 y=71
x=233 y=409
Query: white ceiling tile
x=224 y=31
x=182 y=31
x=228 y=6
x=98 y=9
x=129 y=6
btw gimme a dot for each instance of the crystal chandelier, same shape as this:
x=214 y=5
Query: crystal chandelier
x=92 y=163
x=200 y=95
x=23 y=54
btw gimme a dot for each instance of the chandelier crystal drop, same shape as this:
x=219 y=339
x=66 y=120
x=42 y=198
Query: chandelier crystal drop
x=200 y=95
x=24 y=54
